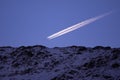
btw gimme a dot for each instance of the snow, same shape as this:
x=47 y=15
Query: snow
x=60 y=63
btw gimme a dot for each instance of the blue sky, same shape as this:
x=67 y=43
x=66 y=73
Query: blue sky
x=30 y=22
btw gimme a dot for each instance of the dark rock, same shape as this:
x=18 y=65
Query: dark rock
x=115 y=65
x=98 y=47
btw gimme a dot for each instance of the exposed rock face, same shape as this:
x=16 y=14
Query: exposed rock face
x=59 y=63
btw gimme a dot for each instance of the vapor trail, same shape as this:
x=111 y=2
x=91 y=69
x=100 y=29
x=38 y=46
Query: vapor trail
x=76 y=26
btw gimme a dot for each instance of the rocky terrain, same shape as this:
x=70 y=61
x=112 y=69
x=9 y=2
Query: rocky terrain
x=59 y=63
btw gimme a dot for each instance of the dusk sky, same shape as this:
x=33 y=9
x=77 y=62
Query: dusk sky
x=30 y=22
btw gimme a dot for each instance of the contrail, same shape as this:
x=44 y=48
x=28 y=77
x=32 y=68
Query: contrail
x=76 y=26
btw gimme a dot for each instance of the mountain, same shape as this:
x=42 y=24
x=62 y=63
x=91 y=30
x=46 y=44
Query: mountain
x=59 y=63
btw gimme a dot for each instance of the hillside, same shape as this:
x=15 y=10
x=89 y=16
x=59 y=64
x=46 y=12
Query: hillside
x=59 y=63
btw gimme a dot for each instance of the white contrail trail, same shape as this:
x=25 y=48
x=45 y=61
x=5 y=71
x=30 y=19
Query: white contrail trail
x=76 y=26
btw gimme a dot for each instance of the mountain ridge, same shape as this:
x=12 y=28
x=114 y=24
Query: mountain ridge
x=59 y=63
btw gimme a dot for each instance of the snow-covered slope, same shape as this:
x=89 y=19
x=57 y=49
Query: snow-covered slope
x=59 y=63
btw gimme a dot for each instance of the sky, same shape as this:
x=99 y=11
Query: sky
x=30 y=22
